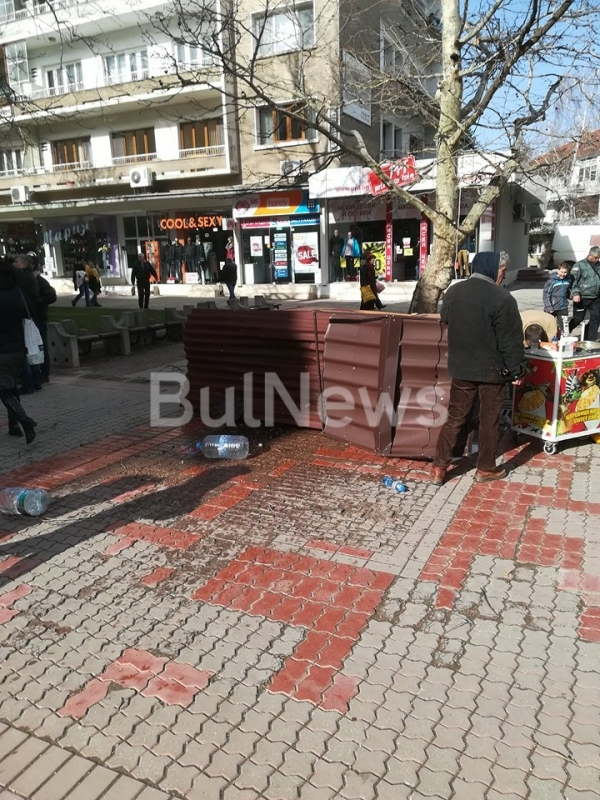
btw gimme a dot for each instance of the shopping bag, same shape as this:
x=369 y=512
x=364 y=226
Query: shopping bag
x=366 y=294
x=33 y=342
x=380 y=287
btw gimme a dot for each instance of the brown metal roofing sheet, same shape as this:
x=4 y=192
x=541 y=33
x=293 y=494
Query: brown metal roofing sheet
x=361 y=363
x=423 y=386
x=222 y=348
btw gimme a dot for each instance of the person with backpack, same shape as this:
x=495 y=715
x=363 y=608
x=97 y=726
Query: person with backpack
x=142 y=272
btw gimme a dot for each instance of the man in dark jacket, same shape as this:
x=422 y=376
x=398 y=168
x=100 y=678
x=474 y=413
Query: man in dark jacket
x=229 y=277
x=336 y=248
x=47 y=296
x=585 y=291
x=141 y=272
x=485 y=351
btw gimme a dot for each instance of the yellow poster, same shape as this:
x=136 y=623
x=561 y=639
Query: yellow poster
x=378 y=250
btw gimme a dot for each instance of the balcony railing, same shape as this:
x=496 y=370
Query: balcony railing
x=55 y=91
x=140 y=158
x=75 y=165
x=203 y=152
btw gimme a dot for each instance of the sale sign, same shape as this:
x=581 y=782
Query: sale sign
x=400 y=173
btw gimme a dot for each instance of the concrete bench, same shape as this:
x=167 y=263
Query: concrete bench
x=67 y=342
x=174 y=322
x=257 y=303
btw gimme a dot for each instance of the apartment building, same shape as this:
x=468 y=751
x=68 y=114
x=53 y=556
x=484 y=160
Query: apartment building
x=147 y=127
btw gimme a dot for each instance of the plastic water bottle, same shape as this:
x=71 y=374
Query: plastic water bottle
x=223 y=446
x=396 y=486
x=19 y=500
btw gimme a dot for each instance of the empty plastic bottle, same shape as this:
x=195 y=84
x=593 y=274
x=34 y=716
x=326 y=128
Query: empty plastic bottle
x=19 y=500
x=397 y=486
x=223 y=446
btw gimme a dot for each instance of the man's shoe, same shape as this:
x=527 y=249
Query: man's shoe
x=484 y=475
x=437 y=475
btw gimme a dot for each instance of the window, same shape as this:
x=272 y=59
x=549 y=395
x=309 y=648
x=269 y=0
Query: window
x=415 y=145
x=125 y=67
x=292 y=29
x=391 y=141
x=71 y=153
x=587 y=173
x=63 y=79
x=190 y=56
x=11 y=162
x=275 y=127
x=17 y=66
x=203 y=135
x=131 y=146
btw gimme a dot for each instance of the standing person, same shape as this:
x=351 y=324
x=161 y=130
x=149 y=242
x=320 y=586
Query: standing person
x=556 y=294
x=229 y=277
x=12 y=350
x=47 y=296
x=93 y=278
x=336 y=248
x=485 y=351
x=585 y=291
x=352 y=251
x=31 y=375
x=80 y=283
x=141 y=272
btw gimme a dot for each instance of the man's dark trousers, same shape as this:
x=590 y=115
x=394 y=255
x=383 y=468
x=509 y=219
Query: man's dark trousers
x=462 y=397
x=143 y=294
x=591 y=304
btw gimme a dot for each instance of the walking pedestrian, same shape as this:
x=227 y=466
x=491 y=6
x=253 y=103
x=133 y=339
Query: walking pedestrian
x=31 y=374
x=80 y=283
x=142 y=272
x=485 y=351
x=47 y=296
x=585 y=292
x=13 y=311
x=229 y=277
x=93 y=279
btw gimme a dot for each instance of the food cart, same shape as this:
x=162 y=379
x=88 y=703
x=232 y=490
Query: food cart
x=560 y=398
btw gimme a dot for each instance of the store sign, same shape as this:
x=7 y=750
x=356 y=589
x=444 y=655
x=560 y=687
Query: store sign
x=64 y=234
x=389 y=239
x=190 y=223
x=280 y=256
x=400 y=173
x=355 y=210
x=279 y=223
x=270 y=204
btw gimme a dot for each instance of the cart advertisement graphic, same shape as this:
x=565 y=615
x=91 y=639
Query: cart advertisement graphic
x=559 y=398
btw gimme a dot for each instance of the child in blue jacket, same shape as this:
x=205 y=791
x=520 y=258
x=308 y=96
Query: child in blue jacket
x=556 y=294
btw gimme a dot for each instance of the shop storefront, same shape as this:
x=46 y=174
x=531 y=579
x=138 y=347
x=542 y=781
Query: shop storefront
x=20 y=237
x=91 y=239
x=279 y=237
x=184 y=247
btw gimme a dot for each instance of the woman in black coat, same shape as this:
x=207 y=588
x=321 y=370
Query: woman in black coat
x=12 y=350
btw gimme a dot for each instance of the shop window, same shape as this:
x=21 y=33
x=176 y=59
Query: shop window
x=125 y=67
x=65 y=78
x=131 y=146
x=284 y=31
x=275 y=126
x=71 y=154
x=11 y=162
x=204 y=137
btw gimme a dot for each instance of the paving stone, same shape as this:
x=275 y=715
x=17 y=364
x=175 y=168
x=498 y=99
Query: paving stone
x=47 y=761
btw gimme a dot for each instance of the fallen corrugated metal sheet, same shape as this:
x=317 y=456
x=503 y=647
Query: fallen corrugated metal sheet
x=359 y=377
x=374 y=360
x=225 y=350
x=423 y=386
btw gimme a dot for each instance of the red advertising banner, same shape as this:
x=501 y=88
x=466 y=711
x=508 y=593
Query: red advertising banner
x=423 y=244
x=400 y=173
x=389 y=239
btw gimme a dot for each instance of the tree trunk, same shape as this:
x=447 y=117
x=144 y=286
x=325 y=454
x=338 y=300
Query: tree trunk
x=441 y=263
x=438 y=274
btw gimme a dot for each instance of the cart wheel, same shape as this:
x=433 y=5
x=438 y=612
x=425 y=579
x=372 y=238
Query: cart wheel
x=550 y=448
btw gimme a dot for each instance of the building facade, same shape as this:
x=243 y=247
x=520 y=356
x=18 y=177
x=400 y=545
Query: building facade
x=150 y=127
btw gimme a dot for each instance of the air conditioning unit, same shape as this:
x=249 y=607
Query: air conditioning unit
x=520 y=211
x=140 y=177
x=19 y=194
x=287 y=168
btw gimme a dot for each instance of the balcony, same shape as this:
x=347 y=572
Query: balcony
x=203 y=152
x=140 y=158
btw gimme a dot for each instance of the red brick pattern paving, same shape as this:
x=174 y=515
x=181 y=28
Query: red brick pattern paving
x=224 y=500
x=155 y=577
x=8 y=598
x=164 y=537
x=334 y=601
x=170 y=682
